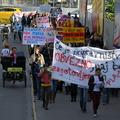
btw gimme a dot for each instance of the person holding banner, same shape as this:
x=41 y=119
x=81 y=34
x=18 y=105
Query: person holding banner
x=96 y=83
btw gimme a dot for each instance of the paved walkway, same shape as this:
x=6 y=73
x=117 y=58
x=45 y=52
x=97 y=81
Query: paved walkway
x=15 y=100
x=63 y=109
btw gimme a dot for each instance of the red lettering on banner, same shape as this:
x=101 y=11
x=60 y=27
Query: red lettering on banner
x=69 y=71
x=113 y=79
x=26 y=33
x=108 y=82
x=72 y=60
x=118 y=74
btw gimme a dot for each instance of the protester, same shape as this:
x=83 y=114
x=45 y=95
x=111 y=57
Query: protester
x=106 y=96
x=67 y=88
x=36 y=57
x=96 y=83
x=23 y=21
x=96 y=40
x=87 y=36
x=45 y=53
x=83 y=98
x=53 y=90
x=74 y=89
x=5 y=51
x=29 y=19
x=60 y=86
x=46 y=87
x=13 y=20
x=18 y=31
x=77 y=21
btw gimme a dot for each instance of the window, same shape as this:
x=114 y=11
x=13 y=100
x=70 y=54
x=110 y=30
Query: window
x=7 y=10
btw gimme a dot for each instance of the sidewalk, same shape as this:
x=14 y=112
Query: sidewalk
x=63 y=109
x=15 y=100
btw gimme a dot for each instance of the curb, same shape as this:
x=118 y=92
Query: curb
x=33 y=102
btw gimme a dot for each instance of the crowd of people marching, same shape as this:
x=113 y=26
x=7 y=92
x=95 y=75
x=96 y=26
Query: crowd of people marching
x=46 y=88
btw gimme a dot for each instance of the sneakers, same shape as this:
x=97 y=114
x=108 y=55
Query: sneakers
x=95 y=115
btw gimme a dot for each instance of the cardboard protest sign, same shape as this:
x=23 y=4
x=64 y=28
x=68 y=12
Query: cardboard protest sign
x=49 y=34
x=33 y=36
x=43 y=22
x=76 y=65
x=65 y=21
x=72 y=34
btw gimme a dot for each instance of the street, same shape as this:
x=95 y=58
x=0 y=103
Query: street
x=15 y=100
x=63 y=109
x=72 y=53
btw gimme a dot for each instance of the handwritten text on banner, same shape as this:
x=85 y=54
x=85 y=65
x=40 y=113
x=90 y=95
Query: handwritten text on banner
x=76 y=65
x=33 y=36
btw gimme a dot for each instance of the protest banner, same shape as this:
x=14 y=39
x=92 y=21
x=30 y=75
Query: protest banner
x=72 y=34
x=49 y=35
x=76 y=65
x=65 y=21
x=33 y=36
x=43 y=22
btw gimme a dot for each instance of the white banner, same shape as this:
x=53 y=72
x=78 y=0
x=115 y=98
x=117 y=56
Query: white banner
x=43 y=22
x=76 y=65
x=49 y=35
x=34 y=36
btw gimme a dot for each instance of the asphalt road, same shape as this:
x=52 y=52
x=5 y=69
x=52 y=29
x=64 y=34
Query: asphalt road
x=15 y=100
x=63 y=109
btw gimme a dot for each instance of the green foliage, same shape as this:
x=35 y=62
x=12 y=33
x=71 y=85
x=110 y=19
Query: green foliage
x=110 y=10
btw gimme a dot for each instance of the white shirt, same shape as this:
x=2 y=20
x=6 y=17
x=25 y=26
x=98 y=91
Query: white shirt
x=5 y=52
x=97 y=83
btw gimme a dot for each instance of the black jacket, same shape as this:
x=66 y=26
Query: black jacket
x=91 y=82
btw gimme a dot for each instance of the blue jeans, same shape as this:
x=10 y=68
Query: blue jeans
x=83 y=98
x=105 y=96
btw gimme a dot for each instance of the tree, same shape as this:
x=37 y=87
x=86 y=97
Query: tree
x=110 y=10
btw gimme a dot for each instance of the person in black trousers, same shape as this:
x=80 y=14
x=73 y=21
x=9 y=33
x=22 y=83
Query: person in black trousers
x=96 y=83
x=73 y=92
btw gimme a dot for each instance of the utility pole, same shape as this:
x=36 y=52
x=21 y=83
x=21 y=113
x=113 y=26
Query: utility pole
x=86 y=12
x=53 y=3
